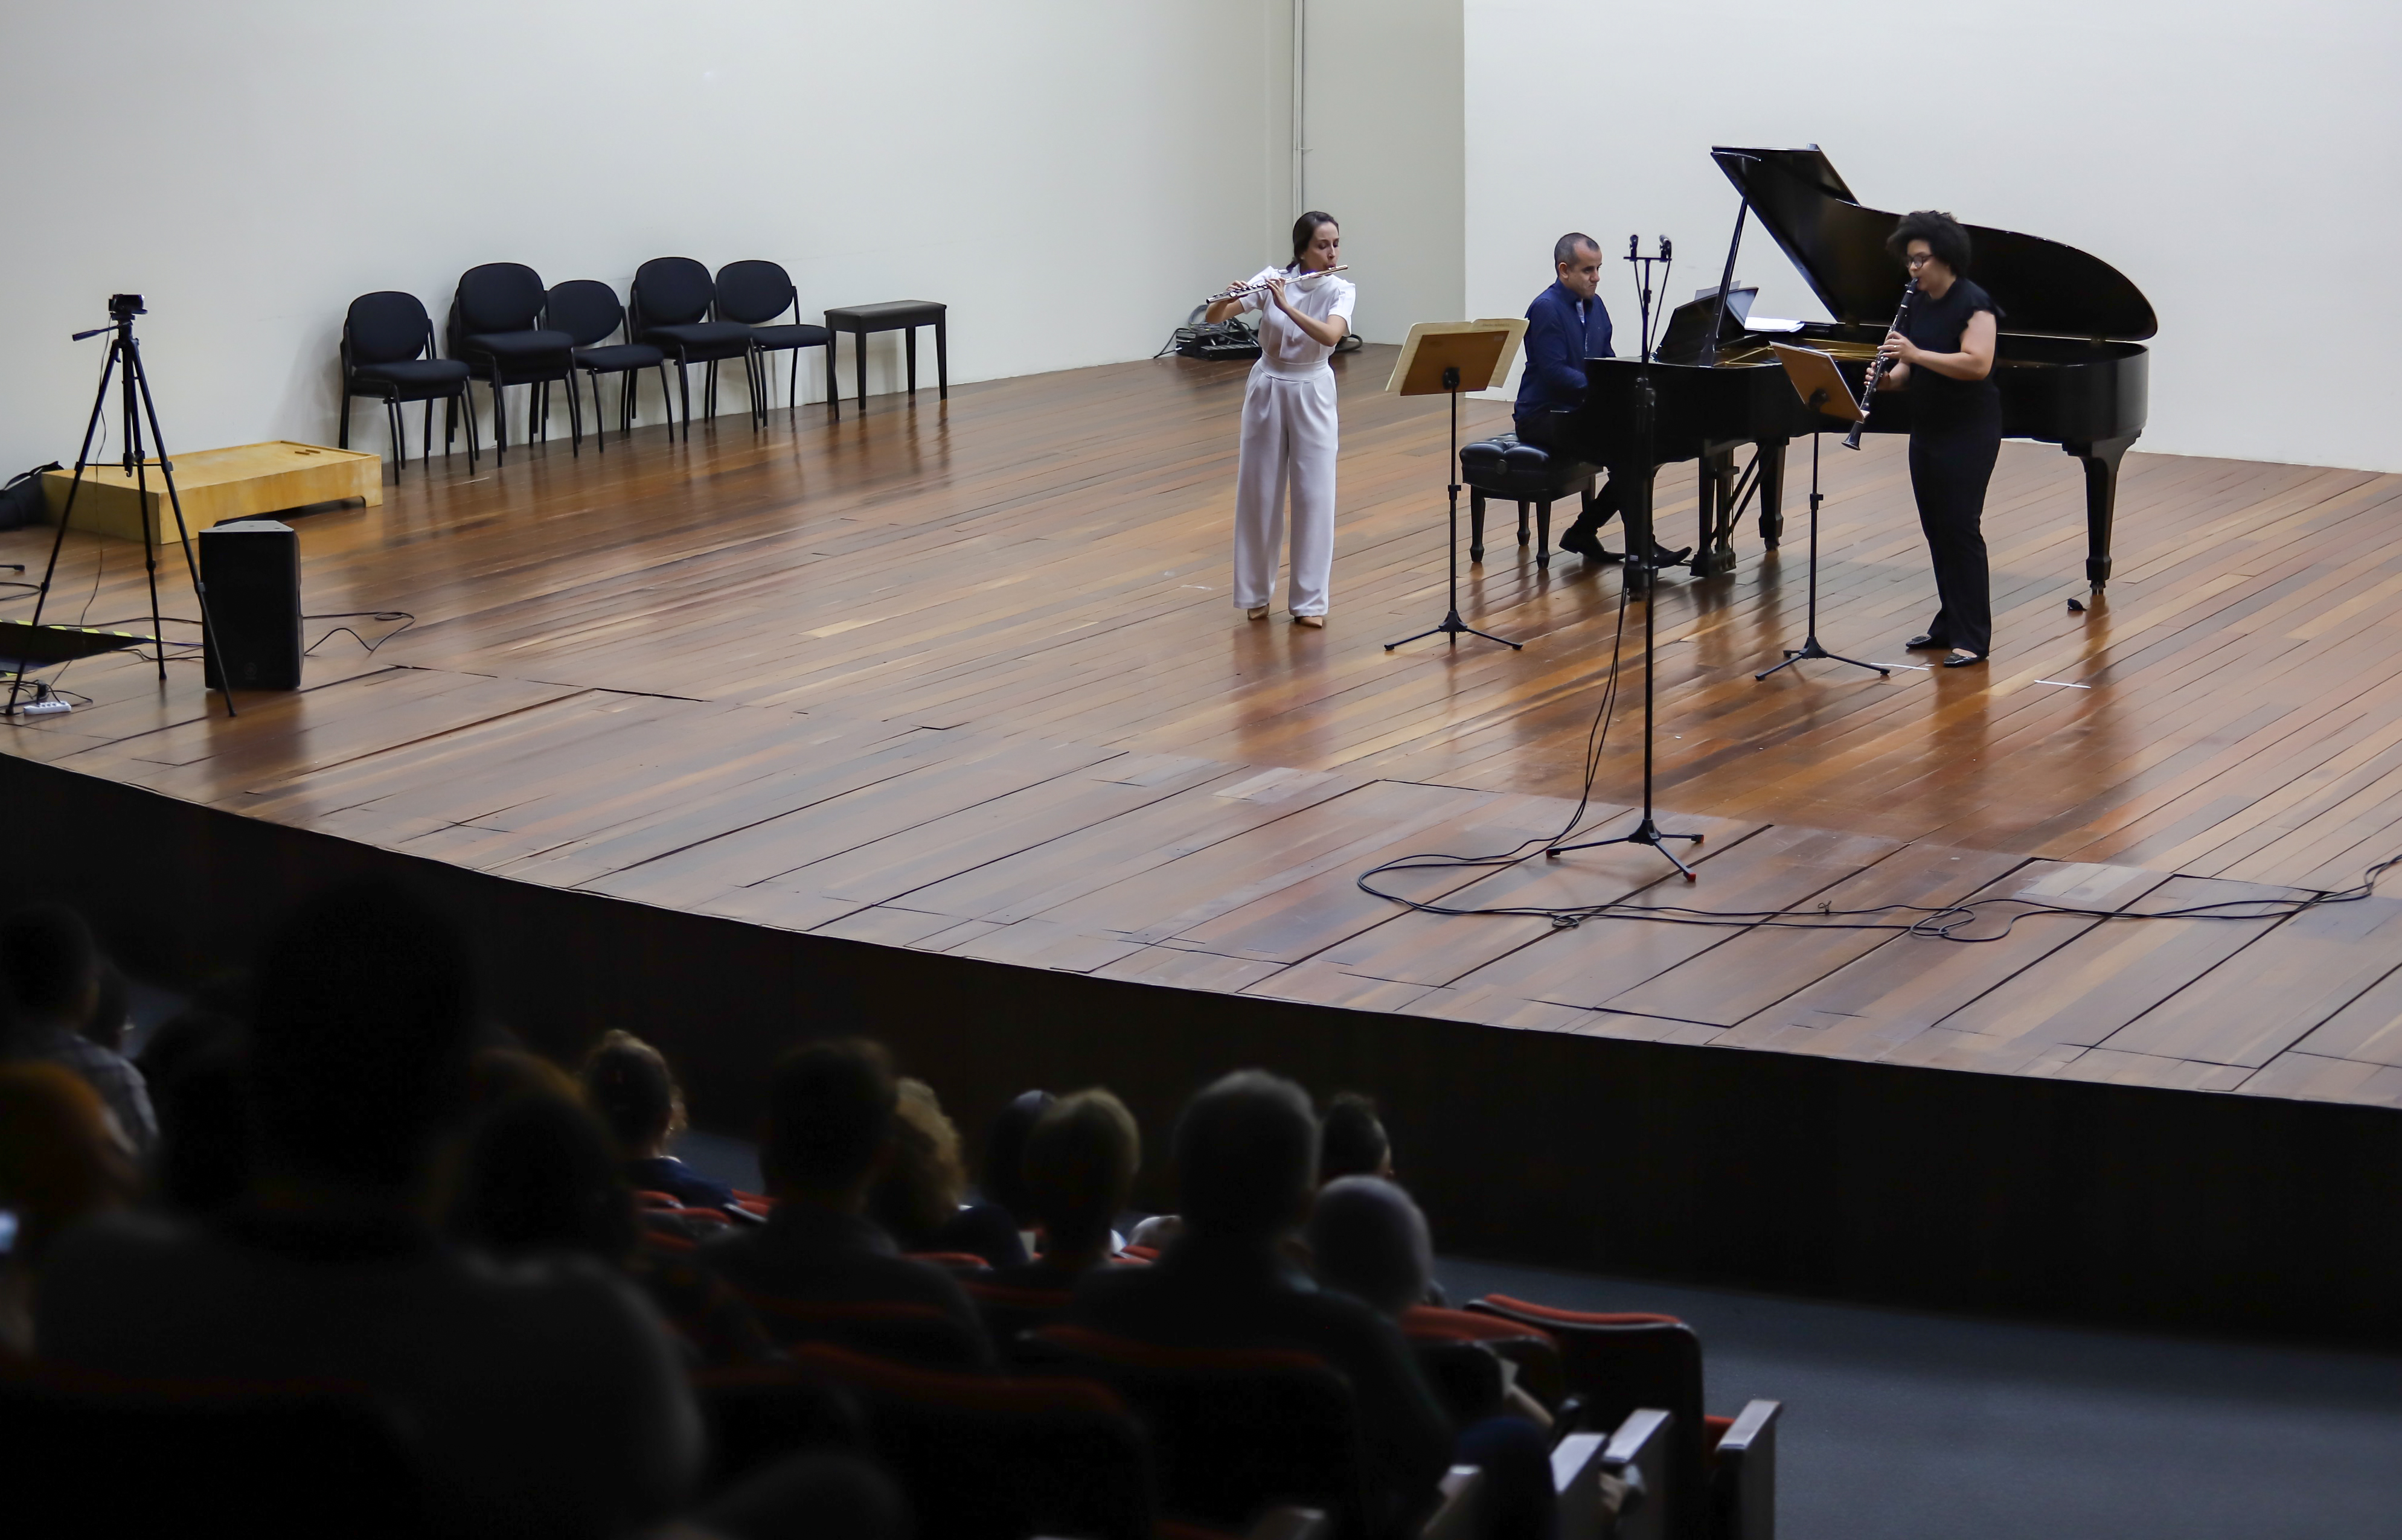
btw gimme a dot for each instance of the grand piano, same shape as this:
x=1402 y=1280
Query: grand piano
x=2070 y=362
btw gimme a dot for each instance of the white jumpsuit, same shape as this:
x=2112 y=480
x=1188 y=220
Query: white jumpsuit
x=1289 y=438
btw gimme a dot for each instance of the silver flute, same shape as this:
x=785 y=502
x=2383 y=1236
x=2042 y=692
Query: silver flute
x=1239 y=290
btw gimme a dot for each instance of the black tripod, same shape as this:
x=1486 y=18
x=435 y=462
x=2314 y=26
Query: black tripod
x=1451 y=625
x=125 y=362
x=1637 y=513
x=1809 y=648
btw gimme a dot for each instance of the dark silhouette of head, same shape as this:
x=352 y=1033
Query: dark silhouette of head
x=1369 y=1240
x=49 y=965
x=1081 y=1161
x=633 y=1092
x=1351 y=1140
x=540 y=1174
x=364 y=1014
x=1003 y=1177
x=830 y=1111
x=1247 y=1156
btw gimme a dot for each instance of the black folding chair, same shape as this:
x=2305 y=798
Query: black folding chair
x=673 y=299
x=495 y=326
x=388 y=355
x=586 y=309
x=754 y=294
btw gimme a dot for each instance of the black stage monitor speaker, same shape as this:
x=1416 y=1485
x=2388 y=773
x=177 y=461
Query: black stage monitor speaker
x=252 y=569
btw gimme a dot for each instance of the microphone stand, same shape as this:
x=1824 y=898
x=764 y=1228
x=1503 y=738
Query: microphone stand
x=1809 y=648
x=1642 y=561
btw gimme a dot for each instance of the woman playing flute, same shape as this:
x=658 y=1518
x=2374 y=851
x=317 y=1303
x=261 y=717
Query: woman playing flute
x=1288 y=423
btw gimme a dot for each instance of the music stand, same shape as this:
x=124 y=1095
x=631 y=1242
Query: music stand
x=1824 y=390
x=1444 y=358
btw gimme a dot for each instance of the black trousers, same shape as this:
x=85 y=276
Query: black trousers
x=1535 y=428
x=1949 y=470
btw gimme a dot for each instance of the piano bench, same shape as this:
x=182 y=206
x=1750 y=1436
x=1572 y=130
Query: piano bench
x=1522 y=474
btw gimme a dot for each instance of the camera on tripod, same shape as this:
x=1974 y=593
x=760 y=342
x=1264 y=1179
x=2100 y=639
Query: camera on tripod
x=125 y=307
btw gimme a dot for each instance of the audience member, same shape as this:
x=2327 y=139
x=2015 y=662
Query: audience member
x=1247 y=1168
x=1367 y=1239
x=545 y=1400
x=1080 y=1165
x=629 y=1087
x=1352 y=1141
x=540 y=1176
x=1003 y=1180
x=832 y=1108
x=52 y=973
x=920 y=1199
x=61 y=1158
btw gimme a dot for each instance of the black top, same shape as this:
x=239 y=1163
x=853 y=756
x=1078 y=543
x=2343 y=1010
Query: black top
x=1938 y=401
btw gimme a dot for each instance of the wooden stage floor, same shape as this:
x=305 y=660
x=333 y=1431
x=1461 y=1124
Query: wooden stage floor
x=965 y=678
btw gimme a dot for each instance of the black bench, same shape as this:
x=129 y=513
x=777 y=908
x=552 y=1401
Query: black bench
x=892 y=315
x=1504 y=468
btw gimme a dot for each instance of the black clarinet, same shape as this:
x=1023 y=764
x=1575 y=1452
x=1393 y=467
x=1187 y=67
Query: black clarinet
x=1876 y=368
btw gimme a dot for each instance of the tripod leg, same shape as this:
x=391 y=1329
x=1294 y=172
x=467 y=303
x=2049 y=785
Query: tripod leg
x=209 y=640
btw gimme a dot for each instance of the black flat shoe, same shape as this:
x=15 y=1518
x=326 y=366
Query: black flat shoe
x=1923 y=641
x=1962 y=663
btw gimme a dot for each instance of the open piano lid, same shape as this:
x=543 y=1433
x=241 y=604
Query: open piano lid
x=2042 y=286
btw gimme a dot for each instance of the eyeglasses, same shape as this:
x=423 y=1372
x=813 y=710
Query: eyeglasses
x=1918 y=259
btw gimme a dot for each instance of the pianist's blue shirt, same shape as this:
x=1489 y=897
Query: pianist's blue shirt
x=1562 y=332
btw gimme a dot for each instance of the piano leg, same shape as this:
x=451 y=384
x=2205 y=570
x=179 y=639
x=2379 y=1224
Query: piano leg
x=1772 y=494
x=2101 y=459
x=1712 y=552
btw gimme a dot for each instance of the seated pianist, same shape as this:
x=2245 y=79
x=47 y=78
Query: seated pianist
x=1567 y=325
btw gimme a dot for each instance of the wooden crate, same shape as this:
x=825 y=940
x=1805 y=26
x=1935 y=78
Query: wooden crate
x=215 y=485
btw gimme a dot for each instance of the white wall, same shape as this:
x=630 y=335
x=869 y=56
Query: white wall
x=1070 y=175
x=1384 y=153
x=2241 y=162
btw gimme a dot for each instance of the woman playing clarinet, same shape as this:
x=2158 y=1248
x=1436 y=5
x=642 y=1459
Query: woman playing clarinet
x=1942 y=351
x=1288 y=427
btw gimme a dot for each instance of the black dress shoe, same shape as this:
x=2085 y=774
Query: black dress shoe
x=1963 y=663
x=1663 y=556
x=1924 y=641
x=1587 y=543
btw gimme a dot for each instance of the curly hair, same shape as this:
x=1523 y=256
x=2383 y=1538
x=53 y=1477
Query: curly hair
x=1940 y=230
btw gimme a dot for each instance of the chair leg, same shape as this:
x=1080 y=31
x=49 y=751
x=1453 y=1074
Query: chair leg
x=709 y=393
x=683 y=374
x=792 y=390
x=834 y=382
x=574 y=418
x=425 y=439
x=600 y=424
x=1522 y=522
x=1544 y=534
x=912 y=346
x=342 y=433
x=468 y=413
x=1475 y=525
x=393 y=425
x=942 y=357
x=859 y=363
x=499 y=417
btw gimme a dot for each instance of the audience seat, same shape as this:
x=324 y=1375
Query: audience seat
x=985 y=1458
x=757 y=1415
x=906 y=1333
x=952 y=1261
x=1240 y=1430
x=1620 y=1362
x=1009 y=1313
x=110 y=1457
x=1534 y=1351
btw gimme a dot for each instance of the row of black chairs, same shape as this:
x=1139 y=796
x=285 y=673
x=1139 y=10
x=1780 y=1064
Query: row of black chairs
x=506 y=328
